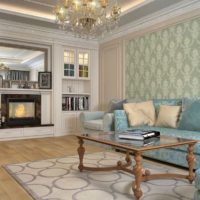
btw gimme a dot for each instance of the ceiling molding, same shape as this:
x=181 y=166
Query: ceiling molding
x=27 y=32
x=135 y=6
x=155 y=18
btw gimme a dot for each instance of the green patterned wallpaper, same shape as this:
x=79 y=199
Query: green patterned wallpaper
x=164 y=64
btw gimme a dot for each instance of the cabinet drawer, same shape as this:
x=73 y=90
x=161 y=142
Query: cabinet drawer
x=38 y=131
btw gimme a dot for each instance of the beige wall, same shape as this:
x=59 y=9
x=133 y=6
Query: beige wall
x=110 y=72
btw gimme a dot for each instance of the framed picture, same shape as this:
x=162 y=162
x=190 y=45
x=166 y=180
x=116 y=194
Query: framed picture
x=44 y=80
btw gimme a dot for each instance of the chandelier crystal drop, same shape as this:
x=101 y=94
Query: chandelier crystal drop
x=87 y=18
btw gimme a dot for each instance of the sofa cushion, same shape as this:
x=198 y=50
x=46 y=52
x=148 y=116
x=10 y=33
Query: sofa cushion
x=168 y=116
x=147 y=108
x=169 y=102
x=94 y=124
x=121 y=120
x=116 y=104
x=190 y=119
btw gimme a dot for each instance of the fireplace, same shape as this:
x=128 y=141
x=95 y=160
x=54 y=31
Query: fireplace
x=21 y=110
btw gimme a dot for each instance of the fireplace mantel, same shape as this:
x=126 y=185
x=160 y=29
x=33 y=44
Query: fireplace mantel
x=24 y=91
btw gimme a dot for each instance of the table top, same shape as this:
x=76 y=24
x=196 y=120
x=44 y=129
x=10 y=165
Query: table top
x=111 y=138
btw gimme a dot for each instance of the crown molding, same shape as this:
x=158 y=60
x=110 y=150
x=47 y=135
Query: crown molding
x=163 y=15
x=26 y=32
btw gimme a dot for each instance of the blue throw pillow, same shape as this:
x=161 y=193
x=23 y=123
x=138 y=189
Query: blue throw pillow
x=190 y=119
x=121 y=120
x=188 y=101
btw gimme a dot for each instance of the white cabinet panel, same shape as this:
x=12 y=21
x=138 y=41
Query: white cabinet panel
x=68 y=122
x=11 y=133
x=38 y=131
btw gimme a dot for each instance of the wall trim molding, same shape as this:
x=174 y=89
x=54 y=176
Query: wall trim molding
x=177 y=12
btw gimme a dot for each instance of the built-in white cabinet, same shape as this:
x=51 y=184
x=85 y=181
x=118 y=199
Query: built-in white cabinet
x=76 y=64
x=22 y=133
x=77 y=91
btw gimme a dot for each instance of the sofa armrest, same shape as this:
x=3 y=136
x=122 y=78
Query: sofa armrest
x=108 y=122
x=197 y=179
x=91 y=115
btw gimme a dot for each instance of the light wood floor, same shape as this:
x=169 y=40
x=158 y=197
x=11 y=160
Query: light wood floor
x=30 y=150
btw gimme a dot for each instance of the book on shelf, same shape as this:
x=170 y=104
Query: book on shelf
x=138 y=134
x=75 y=103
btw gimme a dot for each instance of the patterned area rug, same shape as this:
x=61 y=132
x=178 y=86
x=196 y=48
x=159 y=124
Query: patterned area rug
x=59 y=179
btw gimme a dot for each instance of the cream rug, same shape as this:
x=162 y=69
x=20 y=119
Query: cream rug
x=59 y=179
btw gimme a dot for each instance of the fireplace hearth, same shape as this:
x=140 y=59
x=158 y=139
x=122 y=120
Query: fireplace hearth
x=20 y=110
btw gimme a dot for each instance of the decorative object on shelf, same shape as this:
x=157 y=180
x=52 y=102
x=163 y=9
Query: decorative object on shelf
x=6 y=83
x=87 y=18
x=69 y=89
x=44 y=79
x=1 y=81
x=4 y=67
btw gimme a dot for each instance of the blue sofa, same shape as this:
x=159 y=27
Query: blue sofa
x=175 y=155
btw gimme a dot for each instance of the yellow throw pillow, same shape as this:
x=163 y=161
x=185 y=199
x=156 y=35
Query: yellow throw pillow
x=138 y=118
x=147 y=109
x=168 y=116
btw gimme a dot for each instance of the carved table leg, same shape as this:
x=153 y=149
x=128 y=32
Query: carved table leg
x=191 y=159
x=81 y=151
x=137 y=170
x=128 y=158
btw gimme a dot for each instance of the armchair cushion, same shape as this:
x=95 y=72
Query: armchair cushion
x=91 y=115
x=108 y=122
x=94 y=124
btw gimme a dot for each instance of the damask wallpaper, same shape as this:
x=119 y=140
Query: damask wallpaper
x=164 y=64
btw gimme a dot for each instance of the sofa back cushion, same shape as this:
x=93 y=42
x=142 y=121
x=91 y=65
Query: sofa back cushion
x=190 y=119
x=142 y=113
x=168 y=116
x=120 y=120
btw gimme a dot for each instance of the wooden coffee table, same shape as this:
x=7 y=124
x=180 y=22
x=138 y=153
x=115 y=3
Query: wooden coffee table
x=137 y=149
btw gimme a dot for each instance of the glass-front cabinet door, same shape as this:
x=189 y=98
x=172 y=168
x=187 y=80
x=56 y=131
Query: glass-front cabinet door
x=69 y=64
x=83 y=65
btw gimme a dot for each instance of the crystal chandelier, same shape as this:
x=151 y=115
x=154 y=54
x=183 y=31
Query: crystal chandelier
x=87 y=18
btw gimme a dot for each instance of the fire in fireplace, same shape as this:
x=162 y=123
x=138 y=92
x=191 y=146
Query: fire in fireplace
x=21 y=110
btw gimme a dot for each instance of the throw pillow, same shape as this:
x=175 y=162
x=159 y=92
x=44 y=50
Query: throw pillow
x=190 y=119
x=147 y=108
x=116 y=104
x=138 y=118
x=168 y=116
x=121 y=120
x=168 y=102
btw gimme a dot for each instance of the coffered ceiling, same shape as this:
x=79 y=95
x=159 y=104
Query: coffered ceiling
x=39 y=12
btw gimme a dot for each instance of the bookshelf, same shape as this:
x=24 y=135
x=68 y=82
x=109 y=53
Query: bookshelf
x=75 y=102
x=76 y=87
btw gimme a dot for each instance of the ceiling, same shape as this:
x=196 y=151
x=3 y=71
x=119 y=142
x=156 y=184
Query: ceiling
x=18 y=58
x=39 y=12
